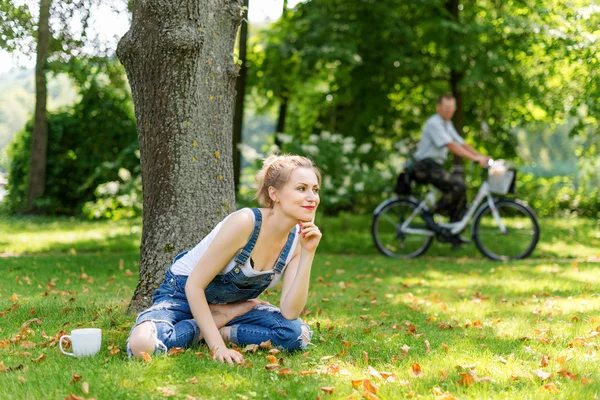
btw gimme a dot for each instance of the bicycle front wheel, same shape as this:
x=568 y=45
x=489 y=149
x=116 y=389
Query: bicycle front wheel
x=511 y=234
x=387 y=235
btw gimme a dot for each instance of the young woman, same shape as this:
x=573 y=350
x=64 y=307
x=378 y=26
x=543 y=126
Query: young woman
x=210 y=292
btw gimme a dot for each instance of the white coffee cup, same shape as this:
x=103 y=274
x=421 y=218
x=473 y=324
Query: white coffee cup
x=85 y=342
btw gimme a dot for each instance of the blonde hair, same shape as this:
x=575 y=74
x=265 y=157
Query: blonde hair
x=276 y=171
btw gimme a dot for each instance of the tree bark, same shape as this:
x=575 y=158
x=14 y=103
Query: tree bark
x=458 y=168
x=280 y=127
x=240 y=89
x=39 y=142
x=177 y=55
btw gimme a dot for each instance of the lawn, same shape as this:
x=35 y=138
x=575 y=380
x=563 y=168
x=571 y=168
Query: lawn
x=447 y=325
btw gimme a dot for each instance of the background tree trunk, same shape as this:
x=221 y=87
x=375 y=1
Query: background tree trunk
x=458 y=168
x=240 y=89
x=39 y=141
x=177 y=55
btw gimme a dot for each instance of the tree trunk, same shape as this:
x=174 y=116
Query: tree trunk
x=240 y=89
x=39 y=141
x=280 y=128
x=177 y=55
x=458 y=168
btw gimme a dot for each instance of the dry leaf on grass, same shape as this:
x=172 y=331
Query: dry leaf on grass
x=328 y=389
x=550 y=387
x=175 y=350
x=85 y=388
x=146 y=357
x=543 y=375
x=416 y=369
x=466 y=379
x=41 y=358
x=193 y=380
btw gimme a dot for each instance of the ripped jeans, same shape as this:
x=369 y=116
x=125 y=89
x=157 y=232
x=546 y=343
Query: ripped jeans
x=174 y=325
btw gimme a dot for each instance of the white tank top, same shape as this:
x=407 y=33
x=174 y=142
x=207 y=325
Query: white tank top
x=186 y=264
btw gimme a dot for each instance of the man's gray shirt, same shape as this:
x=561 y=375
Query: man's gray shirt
x=437 y=134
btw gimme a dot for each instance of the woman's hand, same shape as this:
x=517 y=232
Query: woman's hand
x=310 y=236
x=224 y=354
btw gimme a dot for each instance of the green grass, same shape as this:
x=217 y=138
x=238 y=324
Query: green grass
x=494 y=319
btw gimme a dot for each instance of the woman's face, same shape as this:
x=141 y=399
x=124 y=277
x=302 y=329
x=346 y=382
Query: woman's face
x=299 y=197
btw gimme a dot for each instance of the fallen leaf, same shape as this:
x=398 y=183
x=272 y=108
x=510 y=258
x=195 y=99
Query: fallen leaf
x=272 y=359
x=550 y=387
x=175 y=350
x=3 y=367
x=199 y=354
x=271 y=367
x=405 y=349
x=22 y=379
x=356 y=383
x=14 y=297
x=146 y=357
x=566 y=374
x=563 y=359
x=85 y=388
x=445 y=346
x=466 y=380
x=373 y=372
x=370 y=387
x=439 y=395
x=29 y=322
x=194 y=380
x=416 y=369
x=578 y=341
x=328 y=389
x=544 y=361
x=502 y=360
x=266 y=345
x=427 y=346
x=41 y=358
x=188 y=397
x=285 y=371
x=71 y=396
x=543 y=375
x=168 y=392
x=586 y=381
x=365 y=356
x=274 y=351
x=308 y=372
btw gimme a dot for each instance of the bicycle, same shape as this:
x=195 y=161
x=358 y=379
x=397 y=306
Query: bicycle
x=502 y=229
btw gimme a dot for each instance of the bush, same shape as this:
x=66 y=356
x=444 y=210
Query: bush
x=87 y=145
x=348 y=182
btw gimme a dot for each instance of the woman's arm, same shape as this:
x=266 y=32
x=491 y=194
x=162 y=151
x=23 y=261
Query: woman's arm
x=297 y=275
x=233 y=235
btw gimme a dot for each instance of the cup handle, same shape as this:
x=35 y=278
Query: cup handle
x=60 y=345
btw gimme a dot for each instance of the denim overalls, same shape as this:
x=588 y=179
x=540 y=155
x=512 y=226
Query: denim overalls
x=174 y=323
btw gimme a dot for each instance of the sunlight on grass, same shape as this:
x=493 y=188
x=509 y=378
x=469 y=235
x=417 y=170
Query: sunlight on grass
x=501 y=325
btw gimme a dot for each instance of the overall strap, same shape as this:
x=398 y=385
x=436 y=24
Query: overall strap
x=284 y=253
x=243 y=255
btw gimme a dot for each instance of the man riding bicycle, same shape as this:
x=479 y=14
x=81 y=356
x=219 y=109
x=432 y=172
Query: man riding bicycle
x=437 y=137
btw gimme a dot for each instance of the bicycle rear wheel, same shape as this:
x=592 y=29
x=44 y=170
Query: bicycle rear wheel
x=389 y=239
x=519 y=238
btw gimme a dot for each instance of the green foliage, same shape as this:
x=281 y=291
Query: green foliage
x=88 y=144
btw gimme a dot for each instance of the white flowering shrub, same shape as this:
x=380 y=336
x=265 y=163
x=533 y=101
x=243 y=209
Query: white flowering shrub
x=117 y=199
x=349 y=183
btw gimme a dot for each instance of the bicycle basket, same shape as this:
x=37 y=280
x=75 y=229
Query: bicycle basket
x=502 y=180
